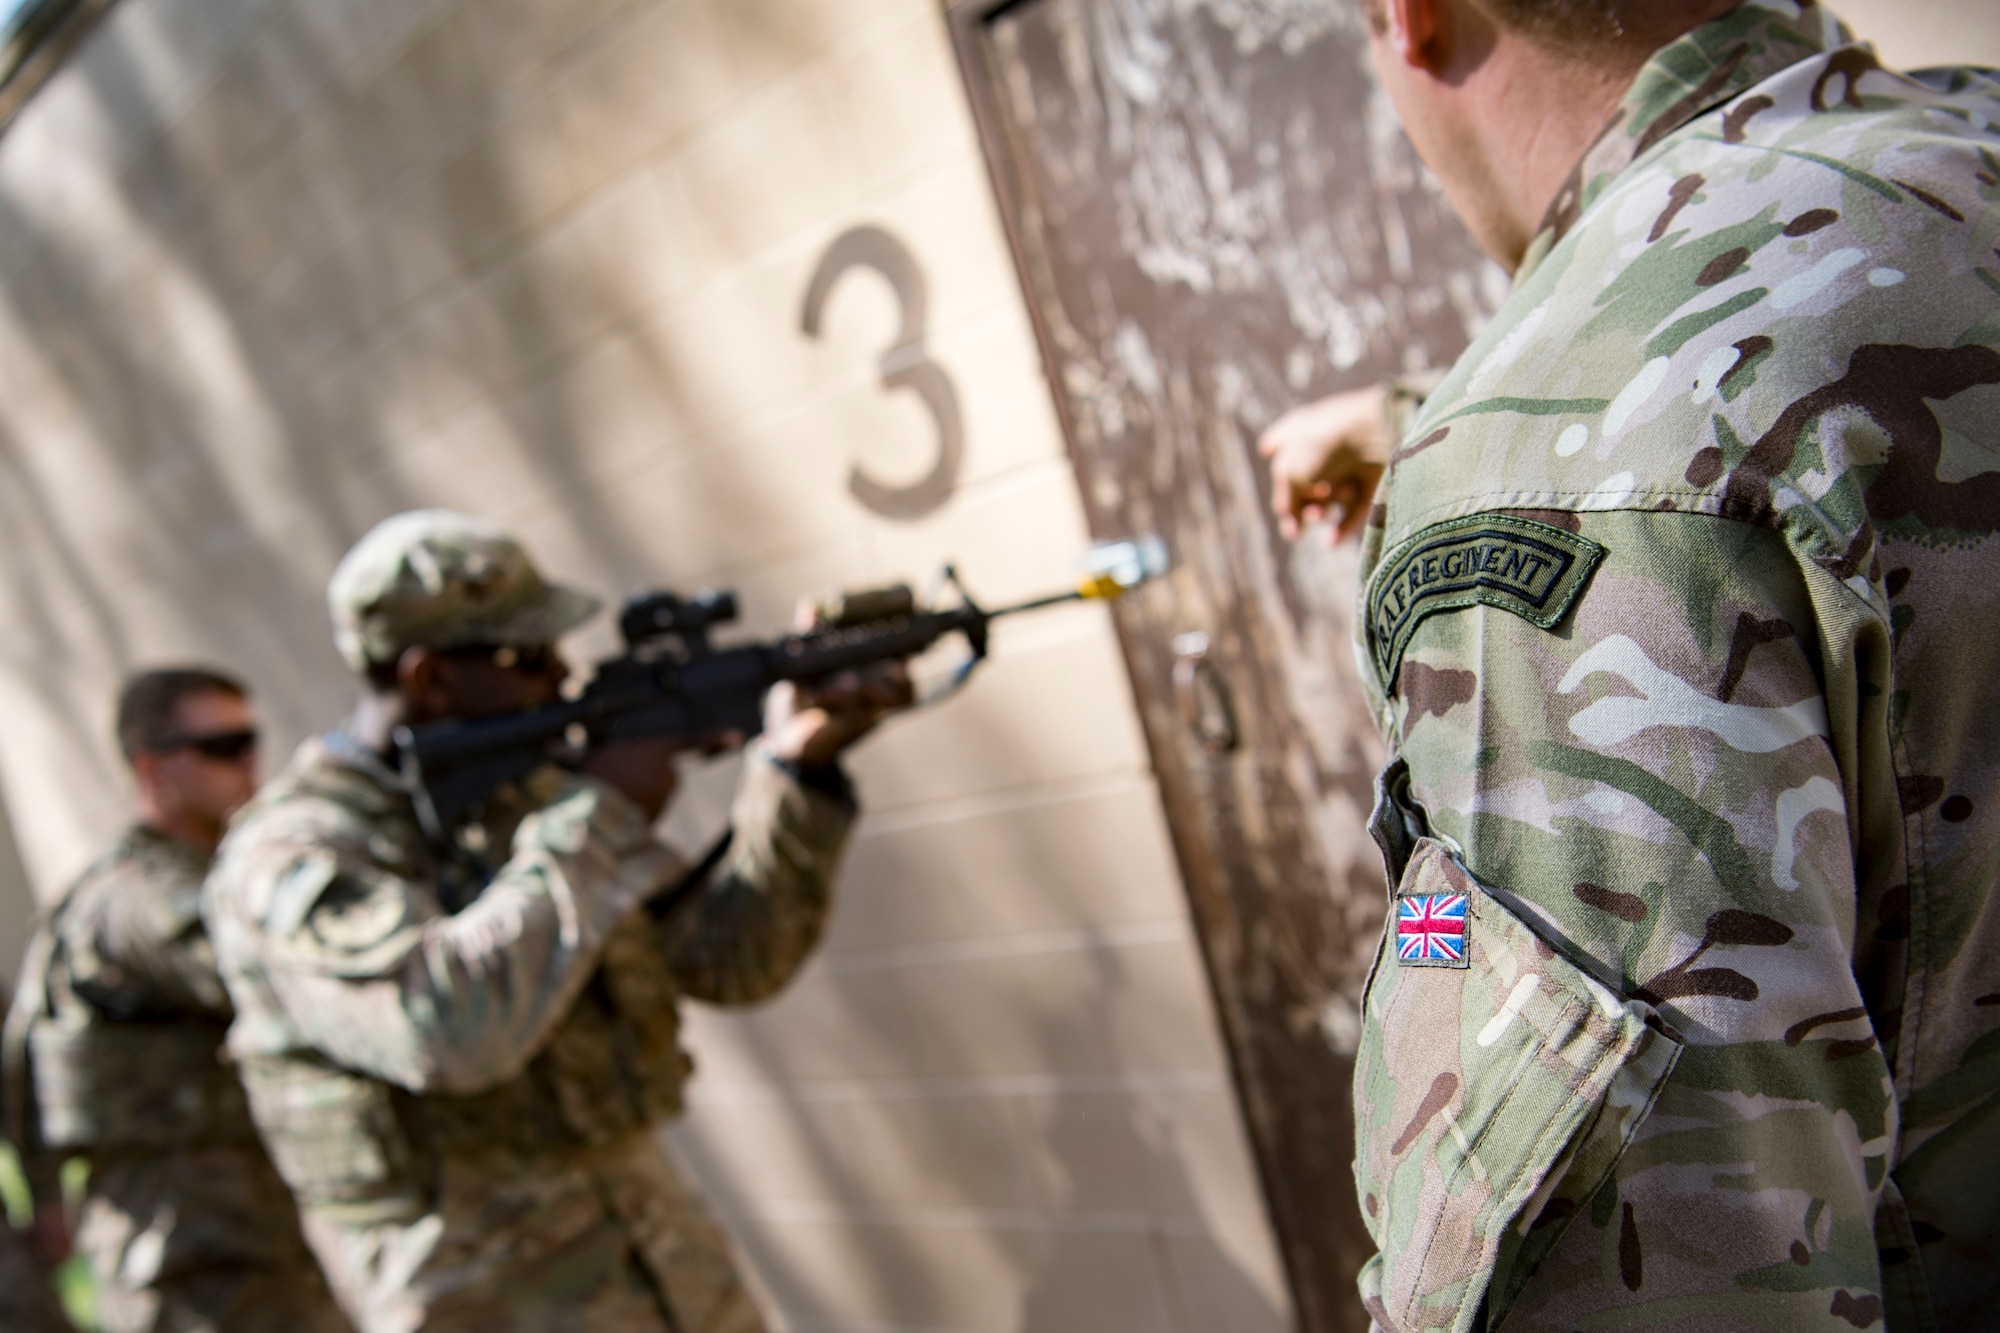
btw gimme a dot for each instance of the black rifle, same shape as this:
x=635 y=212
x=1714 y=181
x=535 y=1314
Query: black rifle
x=672 y=681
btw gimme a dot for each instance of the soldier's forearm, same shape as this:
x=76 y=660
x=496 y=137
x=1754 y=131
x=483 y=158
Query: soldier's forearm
x=743 y=940
x=461 y=1003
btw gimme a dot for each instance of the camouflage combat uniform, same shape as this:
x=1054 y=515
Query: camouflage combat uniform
x=116 y=1040
x=1681 y=603
x=462 y=1076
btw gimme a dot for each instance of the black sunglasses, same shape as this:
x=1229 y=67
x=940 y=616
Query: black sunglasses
x=229 y=747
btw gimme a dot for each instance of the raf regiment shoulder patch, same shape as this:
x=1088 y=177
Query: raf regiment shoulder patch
x=1431 y=930
x=1515 y=564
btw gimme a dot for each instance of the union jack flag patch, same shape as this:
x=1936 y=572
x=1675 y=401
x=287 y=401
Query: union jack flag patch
x=1431 y=931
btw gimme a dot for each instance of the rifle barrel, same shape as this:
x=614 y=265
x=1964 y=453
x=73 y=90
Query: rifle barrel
x=1037 y=604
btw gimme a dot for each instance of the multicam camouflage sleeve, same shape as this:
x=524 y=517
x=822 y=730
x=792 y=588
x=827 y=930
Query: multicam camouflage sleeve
x=1624 y=854
x=369 y=969
x=749 y=932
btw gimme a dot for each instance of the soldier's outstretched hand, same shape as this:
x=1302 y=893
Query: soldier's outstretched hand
x=1326 y=459
x=810 y=724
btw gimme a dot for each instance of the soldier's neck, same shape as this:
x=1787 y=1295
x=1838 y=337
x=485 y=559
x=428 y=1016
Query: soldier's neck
x=375 y=720
x=1505 y=121
x=1524 y=123
x=180 y=825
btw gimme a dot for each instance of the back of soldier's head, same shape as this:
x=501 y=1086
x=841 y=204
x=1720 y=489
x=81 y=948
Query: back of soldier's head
x=149 y=707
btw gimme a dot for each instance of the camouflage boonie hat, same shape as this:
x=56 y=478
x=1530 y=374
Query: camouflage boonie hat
x=440 y=579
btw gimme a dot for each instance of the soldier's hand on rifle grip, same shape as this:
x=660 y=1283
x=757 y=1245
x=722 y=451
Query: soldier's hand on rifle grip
x=1326 y=459
x=643 y=769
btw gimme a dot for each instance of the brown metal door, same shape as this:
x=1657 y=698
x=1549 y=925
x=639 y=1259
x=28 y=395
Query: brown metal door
x=1215 y=218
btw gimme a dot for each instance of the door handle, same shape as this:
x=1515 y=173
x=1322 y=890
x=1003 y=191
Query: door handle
x=1203 y=698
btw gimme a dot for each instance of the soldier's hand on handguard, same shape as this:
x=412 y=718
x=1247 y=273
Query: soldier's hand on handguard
x=806 y=725
x=810 y=724
x=1326 y=460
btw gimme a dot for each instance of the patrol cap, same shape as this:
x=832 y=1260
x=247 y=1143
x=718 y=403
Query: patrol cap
x=436 y=578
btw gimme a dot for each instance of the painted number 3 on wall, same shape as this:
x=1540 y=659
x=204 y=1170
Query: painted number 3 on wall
x=906 y=365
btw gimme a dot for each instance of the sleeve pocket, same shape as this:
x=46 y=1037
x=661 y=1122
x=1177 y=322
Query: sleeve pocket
x=1494 y=1079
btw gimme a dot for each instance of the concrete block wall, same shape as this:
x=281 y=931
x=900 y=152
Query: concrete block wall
x=271 y=270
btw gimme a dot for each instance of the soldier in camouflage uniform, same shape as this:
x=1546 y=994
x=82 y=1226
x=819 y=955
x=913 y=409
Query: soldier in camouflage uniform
x=1679 y=604
x=460 y=1057
x=115 y=1047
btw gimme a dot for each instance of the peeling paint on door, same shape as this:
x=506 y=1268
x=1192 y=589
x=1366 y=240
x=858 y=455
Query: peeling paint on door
x=1216 y=217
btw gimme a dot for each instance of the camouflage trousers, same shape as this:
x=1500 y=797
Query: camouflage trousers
x=199 y=1241
x=606 y=1238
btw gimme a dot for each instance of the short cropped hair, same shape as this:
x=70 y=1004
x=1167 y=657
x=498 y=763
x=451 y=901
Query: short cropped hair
x=1570 y=23
x=149 y=705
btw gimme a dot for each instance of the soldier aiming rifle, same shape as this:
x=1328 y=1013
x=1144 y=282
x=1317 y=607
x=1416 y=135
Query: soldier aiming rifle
x=457 y=1031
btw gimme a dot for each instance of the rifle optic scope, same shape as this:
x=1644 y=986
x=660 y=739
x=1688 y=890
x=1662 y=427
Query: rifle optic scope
x=651 y=615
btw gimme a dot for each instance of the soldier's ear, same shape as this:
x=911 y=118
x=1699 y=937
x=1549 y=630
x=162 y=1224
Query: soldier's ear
x=1410 y=27
x=422 y=680
x=145 y=766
